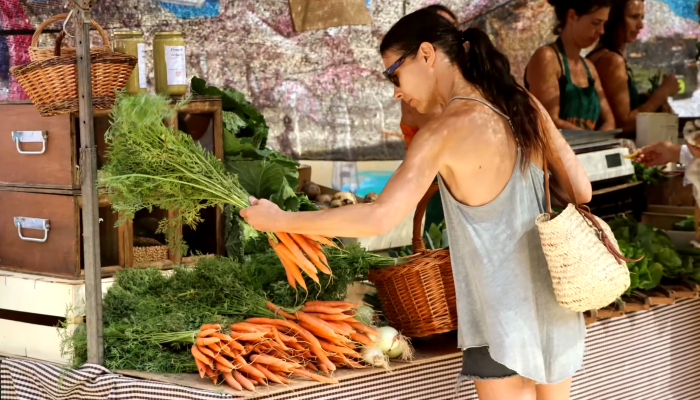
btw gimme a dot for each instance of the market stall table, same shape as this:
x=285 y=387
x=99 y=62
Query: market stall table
x=647 y=355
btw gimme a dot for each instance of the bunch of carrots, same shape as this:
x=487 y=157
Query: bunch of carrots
x=311 y=342
x=291 y=249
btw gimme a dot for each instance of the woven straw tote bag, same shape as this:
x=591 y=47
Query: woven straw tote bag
x=588 y=271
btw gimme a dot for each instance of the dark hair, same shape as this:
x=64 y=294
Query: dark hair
x=481 y=64
x=440 y=8
x=616 y=21
x=580 y=7
x=697 y=9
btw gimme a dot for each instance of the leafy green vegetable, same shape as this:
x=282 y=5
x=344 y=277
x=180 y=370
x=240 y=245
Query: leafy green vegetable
x=686 y=225
x=660 y=257
x=648 y=175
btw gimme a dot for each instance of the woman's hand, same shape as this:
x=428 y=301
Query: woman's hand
x=263 y=215
x=669 y=86
x=659 y=153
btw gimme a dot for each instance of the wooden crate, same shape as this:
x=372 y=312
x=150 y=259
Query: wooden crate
x=31 y=307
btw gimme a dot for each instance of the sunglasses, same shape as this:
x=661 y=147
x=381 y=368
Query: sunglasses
x=389 y=73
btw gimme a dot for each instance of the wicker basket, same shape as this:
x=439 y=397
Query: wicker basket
x=418 y=297
x=37 y=53
x=52 y=84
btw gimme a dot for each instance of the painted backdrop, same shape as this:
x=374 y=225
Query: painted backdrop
x=322 y=92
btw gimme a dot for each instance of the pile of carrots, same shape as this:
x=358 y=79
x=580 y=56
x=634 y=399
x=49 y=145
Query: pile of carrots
x=312 y=342
x=291 y=249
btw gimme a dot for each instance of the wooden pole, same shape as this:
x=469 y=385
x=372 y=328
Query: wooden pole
x=88 y=173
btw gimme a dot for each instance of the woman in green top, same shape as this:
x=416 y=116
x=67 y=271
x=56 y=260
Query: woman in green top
x=623 y=26
x=563 y=81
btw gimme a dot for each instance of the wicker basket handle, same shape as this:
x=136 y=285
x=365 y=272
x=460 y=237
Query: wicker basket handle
x=418 y=243
x=51 y=20
x=57 y=45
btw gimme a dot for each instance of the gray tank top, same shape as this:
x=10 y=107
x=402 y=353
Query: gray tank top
x=504 y=291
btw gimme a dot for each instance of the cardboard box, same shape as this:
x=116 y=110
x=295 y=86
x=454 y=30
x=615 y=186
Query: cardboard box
x=664 y=217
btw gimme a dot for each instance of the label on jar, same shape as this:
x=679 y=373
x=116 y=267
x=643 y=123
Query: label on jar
x=141 y=51
x=175 y=65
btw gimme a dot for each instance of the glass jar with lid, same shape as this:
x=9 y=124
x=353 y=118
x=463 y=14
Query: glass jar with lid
x=132 y=43
x=169 y=63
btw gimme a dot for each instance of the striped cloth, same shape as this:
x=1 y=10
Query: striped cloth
x=652 y=355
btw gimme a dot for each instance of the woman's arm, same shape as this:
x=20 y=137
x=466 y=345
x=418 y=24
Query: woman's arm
x=572 y=167
x=613 y=76
x=398 y=198
x=606 y=114
x=543 y=73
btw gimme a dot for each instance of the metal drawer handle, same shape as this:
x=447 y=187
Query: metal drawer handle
x=32 y=223
x=30 y=137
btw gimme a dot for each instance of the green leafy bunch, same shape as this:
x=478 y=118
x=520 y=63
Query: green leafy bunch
x=660 y=257
x=153 y=165
x=648 y=175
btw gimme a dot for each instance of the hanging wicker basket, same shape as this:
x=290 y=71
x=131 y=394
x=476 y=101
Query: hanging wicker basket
x=418 y=297
x=37 y=53
x=52 y=84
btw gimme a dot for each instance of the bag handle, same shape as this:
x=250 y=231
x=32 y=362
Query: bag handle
x=39 y=30
x=418 y=243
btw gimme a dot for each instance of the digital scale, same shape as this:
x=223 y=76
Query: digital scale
x=600 y=154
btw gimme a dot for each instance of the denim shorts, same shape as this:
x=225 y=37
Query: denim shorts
x=478 y=365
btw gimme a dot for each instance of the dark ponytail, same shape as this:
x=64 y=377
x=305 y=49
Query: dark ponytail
x=481 y=64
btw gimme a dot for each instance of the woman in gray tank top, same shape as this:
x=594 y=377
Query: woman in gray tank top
x=487 y=148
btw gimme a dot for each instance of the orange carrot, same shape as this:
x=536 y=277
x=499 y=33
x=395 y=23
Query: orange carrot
x=268 y=360
x=247 y=337
x=210 y=326
x=248 y=385
x=321 y=309
x=331 y=317
x=222 y=368
x=269 y=375
x=228 y=377
x=331 y=348
x=246 y=327
x=291 y=259
x=222 y=336
x=201 y=367
x=347 y=305
x=205 y=333
x=285 y=263
x=341 y=328
x=301 y=260
x=198 y=355
x=226 y=363
x=323 y=369
x=313 y=343
x=362 y=338
x=313 y=376
x=240 y=361
x=322 y=240
x=278 y=310
x=203 y=341
x=251 y=371
x=359 y=326
x=311 y=253
x=311 y=366
x=234 y=345
x=213 y=375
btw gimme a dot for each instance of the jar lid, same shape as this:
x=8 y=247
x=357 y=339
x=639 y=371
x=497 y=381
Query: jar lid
x=128 y=33
x=168 y=33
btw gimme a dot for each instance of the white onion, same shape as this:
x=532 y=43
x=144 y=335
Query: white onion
x=393 y=344
x=373 y=356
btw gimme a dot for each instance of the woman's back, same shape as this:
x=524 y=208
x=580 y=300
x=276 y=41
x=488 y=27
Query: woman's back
x=499 y=267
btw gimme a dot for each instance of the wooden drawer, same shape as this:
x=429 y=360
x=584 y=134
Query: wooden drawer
x=54 y=168
x=25 y=250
